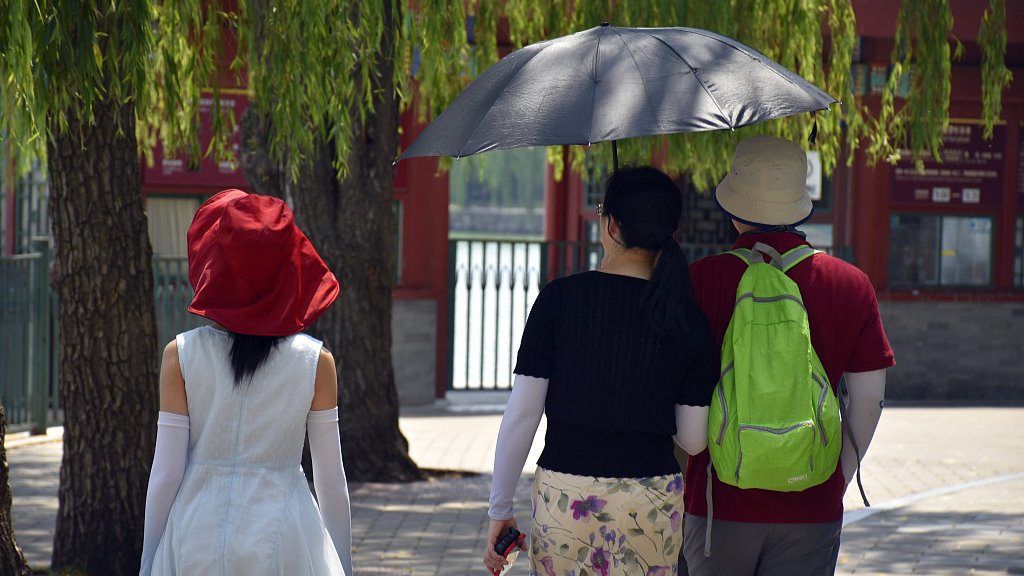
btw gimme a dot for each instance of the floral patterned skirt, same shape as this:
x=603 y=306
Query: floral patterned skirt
x=586 y=526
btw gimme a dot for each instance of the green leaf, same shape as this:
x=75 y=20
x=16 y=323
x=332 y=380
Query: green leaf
x=604 y=517
x=563 y=502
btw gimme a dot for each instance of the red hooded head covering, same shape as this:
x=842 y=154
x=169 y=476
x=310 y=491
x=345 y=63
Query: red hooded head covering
x=253 y=271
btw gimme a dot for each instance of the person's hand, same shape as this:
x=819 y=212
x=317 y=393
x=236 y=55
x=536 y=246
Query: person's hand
x=497 y=528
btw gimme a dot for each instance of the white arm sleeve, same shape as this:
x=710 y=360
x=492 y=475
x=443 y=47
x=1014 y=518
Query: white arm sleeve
x=169 y=459
x=692 y=428
x=330 y=482
x=515 y=437
x=867 y=394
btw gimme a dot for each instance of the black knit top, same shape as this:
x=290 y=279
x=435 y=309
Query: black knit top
x=613 y=382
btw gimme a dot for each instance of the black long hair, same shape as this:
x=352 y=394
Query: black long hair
x=647 y=206
x=248 y=353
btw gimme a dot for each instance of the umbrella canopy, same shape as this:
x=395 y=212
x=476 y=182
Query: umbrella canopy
x=610 y=83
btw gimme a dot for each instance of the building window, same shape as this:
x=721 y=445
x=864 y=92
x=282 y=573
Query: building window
x=1018 y=254
x=168 y=219
x=940 y=251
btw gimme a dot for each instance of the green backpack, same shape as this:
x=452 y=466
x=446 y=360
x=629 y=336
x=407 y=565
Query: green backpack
x=774 y=421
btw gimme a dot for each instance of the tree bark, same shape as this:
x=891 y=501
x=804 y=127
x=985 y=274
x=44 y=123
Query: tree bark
x=352 y=226
x=262 y=172
x=12 y=561
x=108 y=350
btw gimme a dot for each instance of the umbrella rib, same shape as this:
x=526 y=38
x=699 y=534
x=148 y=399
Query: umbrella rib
x=718 y=38
x=699 y=80
x=539 y=47
x=647 y=94
x=593 y=93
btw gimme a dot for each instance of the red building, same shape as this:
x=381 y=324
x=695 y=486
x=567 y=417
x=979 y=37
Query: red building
x=944 y=249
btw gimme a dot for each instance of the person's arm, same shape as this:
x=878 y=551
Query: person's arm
x=692 y=428
x=866 y=397
x=515 y=437
x=169 y=457
x=328 y=467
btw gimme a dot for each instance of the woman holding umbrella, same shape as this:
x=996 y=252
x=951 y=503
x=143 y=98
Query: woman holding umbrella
x=623 y=363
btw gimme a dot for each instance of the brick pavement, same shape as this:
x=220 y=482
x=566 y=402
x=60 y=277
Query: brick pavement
x=978 y=530
x=435 y=527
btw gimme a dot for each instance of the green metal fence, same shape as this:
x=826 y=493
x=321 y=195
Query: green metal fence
x=172 y=295
x=28 y=367
x=28 y=332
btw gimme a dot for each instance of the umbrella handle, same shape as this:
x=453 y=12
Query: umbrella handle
x=615 y=154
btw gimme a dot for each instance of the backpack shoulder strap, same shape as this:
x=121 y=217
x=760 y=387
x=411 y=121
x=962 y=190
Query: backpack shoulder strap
x=797 y=255
x=756 y=256
x=782 y=262
x=741 y=253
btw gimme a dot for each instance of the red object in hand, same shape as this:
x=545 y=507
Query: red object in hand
x=512 y=540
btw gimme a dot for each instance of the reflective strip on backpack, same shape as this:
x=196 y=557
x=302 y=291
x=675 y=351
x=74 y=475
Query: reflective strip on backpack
x=769 y=299
x=725 y=407
x=793 y=257
x=825 y=390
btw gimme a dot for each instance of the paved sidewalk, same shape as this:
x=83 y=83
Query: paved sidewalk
x=946 y=484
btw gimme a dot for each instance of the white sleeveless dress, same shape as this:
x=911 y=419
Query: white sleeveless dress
x=244 y=506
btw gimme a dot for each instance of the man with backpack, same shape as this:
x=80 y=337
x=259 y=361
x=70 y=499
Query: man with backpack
x=778 y=463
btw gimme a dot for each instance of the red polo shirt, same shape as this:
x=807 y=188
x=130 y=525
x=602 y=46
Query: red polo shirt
x=847 y=334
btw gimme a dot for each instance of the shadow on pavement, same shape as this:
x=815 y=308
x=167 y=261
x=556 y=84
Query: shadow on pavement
x=936 y=543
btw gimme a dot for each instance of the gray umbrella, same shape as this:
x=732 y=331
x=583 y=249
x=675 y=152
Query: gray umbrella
x=610 y=83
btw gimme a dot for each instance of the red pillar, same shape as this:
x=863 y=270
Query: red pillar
x=556 y=198
x=869 y=218
x=1006 y=221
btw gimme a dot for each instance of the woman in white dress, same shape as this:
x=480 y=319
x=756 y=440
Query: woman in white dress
x=227 y=494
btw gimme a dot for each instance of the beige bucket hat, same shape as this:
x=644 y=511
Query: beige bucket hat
x=766 y=185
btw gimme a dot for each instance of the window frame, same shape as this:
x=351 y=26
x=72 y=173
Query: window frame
x=938 y=285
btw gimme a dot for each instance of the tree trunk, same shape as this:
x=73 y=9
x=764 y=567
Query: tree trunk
x=108 y=349
x=12 y=561
x=352 y=226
